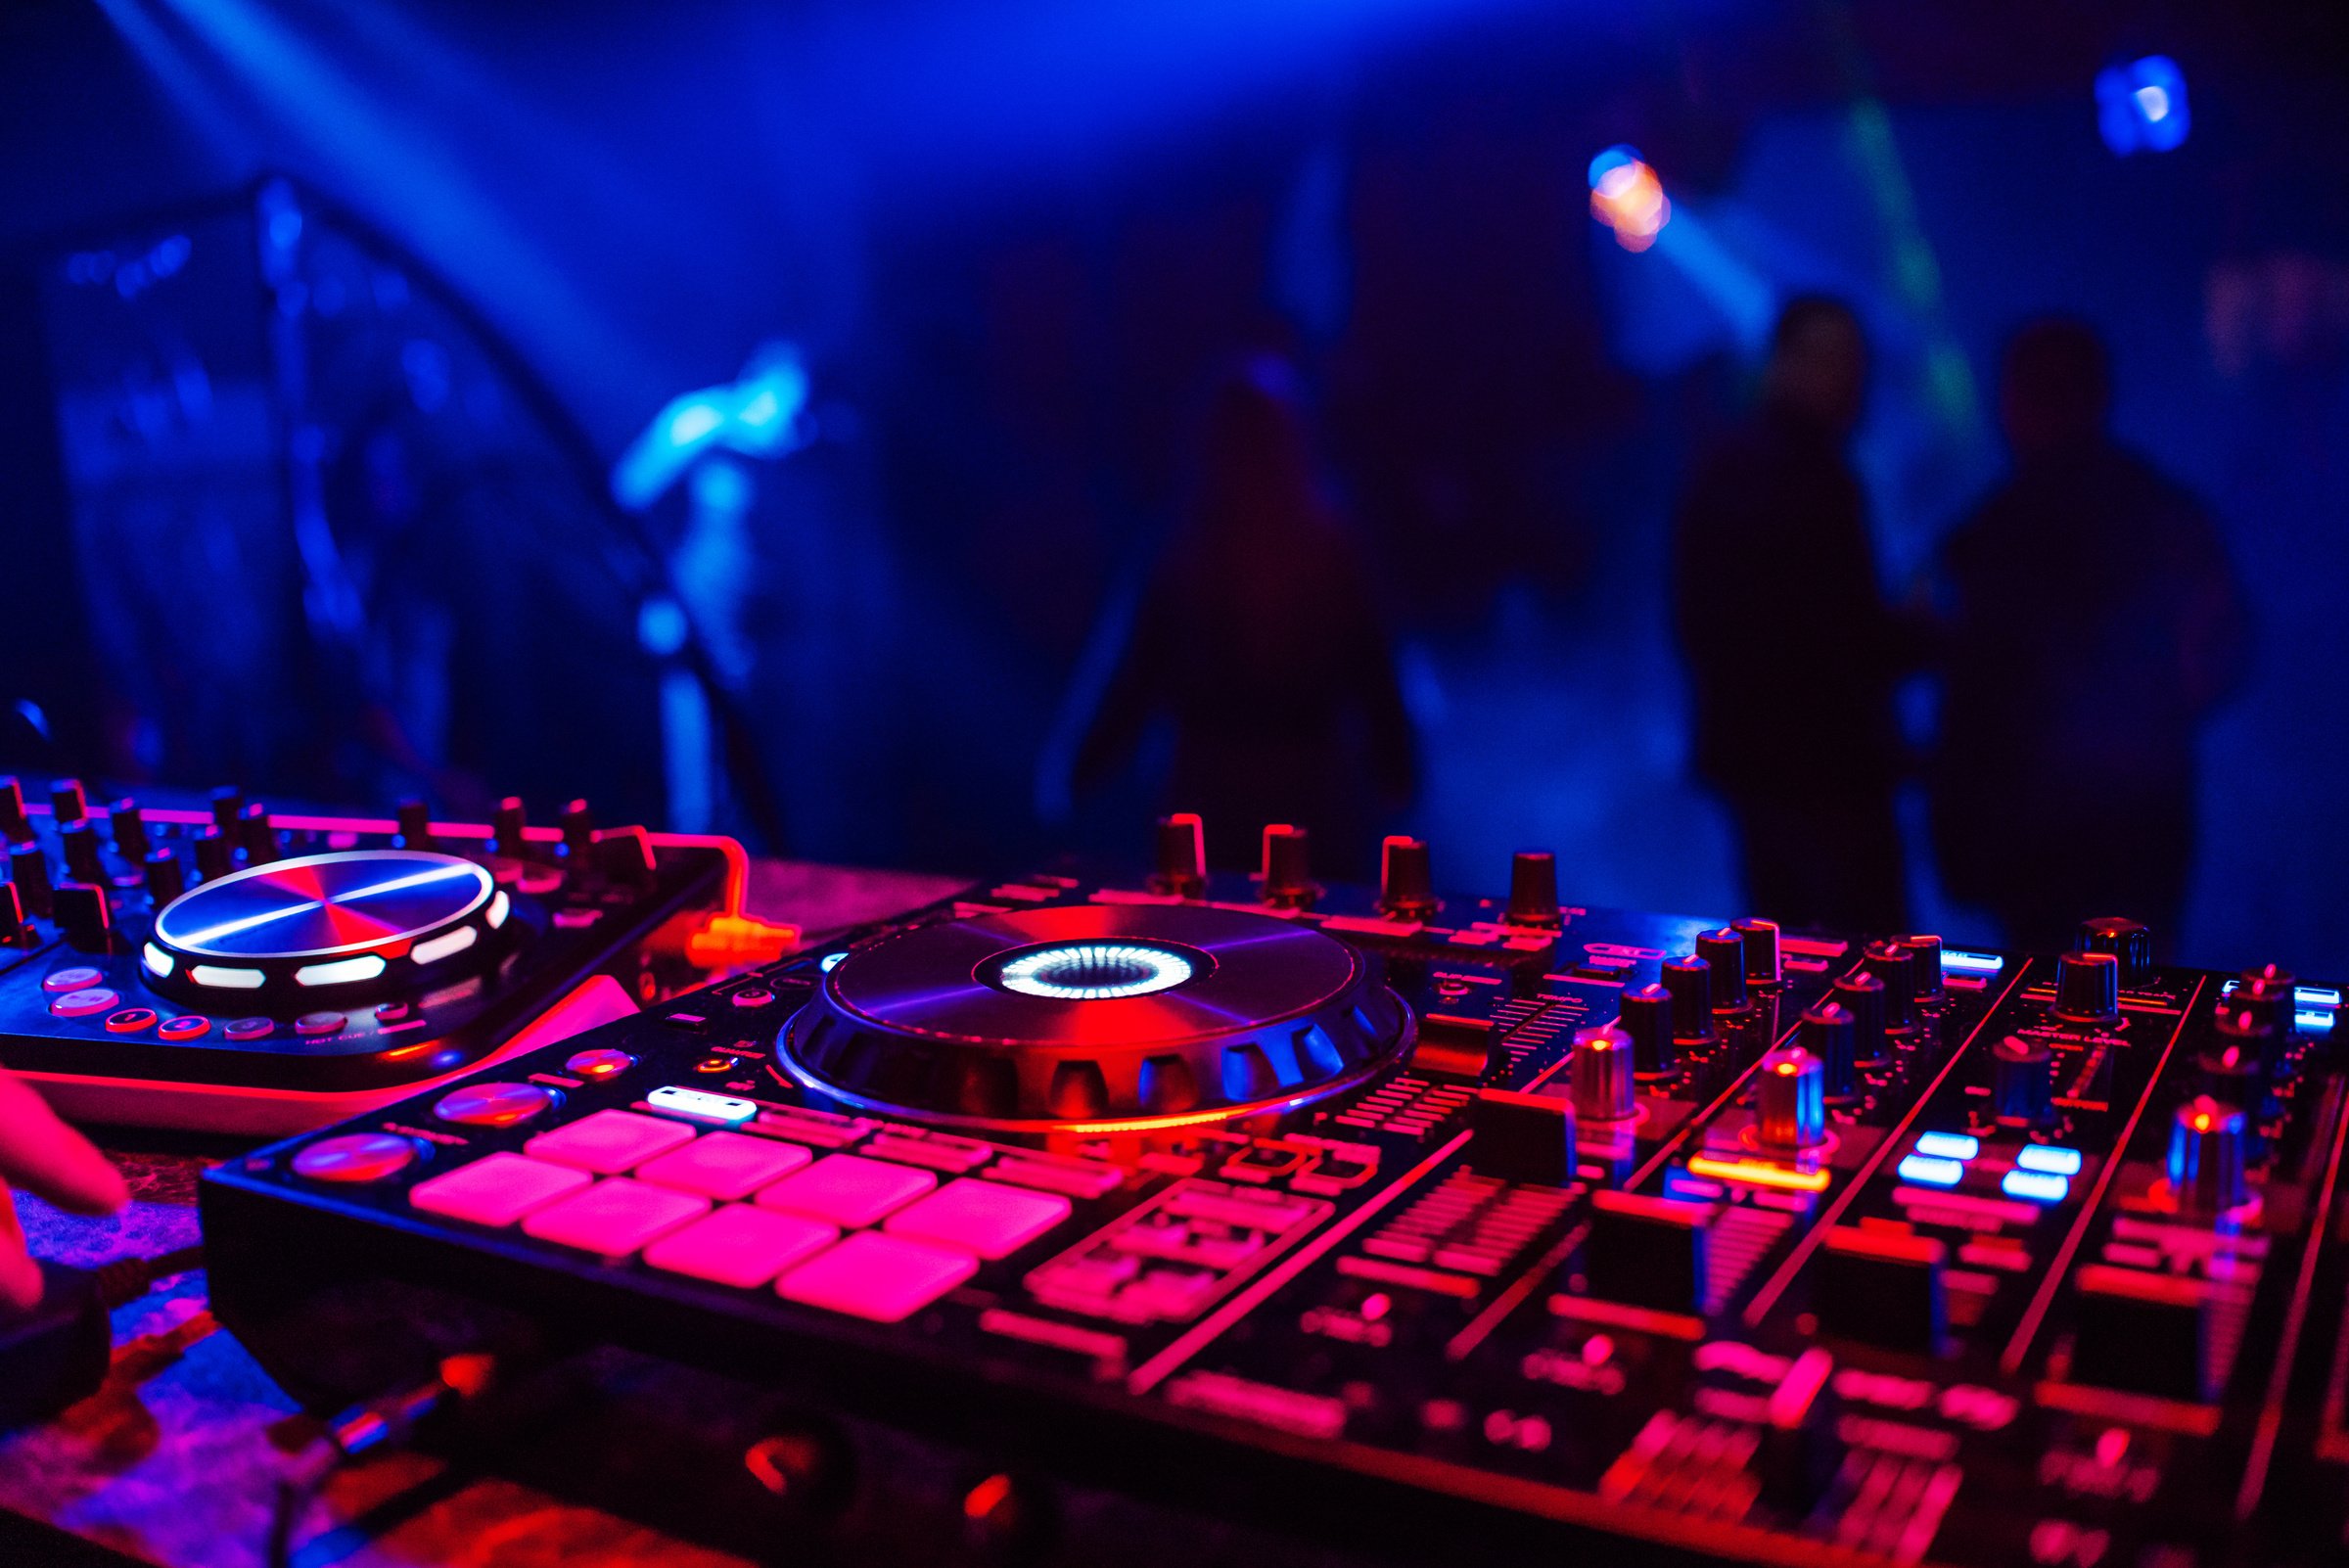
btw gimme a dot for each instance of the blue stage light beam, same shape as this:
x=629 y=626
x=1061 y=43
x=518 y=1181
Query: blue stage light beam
x=182 y=80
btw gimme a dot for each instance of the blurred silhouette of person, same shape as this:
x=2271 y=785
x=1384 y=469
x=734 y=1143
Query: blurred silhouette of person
x=2094 y=622
x=1259 y=638
x=1792 y=651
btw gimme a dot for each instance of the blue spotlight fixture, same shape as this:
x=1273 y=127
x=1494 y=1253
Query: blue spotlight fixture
x=2140 y=106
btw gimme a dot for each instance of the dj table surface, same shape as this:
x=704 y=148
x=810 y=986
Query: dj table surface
x=178 y=1459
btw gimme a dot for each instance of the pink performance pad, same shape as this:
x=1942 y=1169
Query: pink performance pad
x=885 y=1278
x=608 y=1142
x=847 y=1190
x=614 y=1219
x=740 y=1245
x=987 y=1217
x=497 y=1192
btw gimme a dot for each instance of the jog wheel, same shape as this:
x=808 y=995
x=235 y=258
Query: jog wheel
x=1096 y=1018
x=325 y=929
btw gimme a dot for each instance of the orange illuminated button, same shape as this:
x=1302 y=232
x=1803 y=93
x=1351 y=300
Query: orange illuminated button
x=354 y=1157
x=187 y=1026
x=129 y=1021
x=599 y=1063
x=494 y=1104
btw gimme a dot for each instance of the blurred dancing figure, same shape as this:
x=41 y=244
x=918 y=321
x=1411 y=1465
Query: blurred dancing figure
x=2094 y=624
x=1792 y=651
x=1259 y=638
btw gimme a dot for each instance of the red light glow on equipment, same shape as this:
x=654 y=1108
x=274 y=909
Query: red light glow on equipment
x=1626 y=197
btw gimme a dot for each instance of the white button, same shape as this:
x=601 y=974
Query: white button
x=722 y=1108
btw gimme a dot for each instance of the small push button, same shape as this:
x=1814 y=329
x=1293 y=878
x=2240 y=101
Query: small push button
x=494 y=1104
x=84 y=1003
x=81 y=977
x=355 y=1157
x=599 y=1064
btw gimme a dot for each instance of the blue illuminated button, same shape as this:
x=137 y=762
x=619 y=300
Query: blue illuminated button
x=1948 y=1145
x=2051 y=1159
x=2313 y=1022
x=1926 y=1170
x=1971 y=963
x=2038 y=1186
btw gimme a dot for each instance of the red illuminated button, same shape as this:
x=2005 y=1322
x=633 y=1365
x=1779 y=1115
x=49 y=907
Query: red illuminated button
x=355 y=1157
x=987 y=1217
x=82 y=1003
x=718 y=1064
x=599 y=1063
x=394 y=1012
x=494 y=1104
x=187 y=1026
x=81 y=977
x=248 y=1027
x=498 y=1190
x=740 y=1245
x=317 y=1023
x=130 y=1020
x=847 y=1189
x=614 y=1219
x=885 y=1278
x=754 y=996
x=608 y=1142
x=724 y=1165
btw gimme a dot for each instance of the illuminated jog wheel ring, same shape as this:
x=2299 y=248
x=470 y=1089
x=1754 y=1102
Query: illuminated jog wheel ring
x=297 y=934
x=1094 y=1018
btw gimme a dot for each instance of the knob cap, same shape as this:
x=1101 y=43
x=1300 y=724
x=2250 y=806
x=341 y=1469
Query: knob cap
x=1648 y=1252
x=14 y=826
x=2088 y=988
x=1926 y=954
x=579 y=830
x=1179 y=856
x=2022 y=1081
x=415 y=819
x=1826 y=1033
x=1896 y=966
x=165 y=878
x=82 y=914
x=1287 y=867
x=1603 y=1067
x=129 y=826
x=2206 y=1158
x=1790 y=1107
x=1725 y=952
x=69 y=801
x=2243 y=1057
x=506 y=829
x=226 y=802
x=2126 y=940
x=79 y=839
x=257 y=835
x=1646 y=1017
x=1521 y=1138
x=1761 y=939
x=28 y=869
x=1406 y=881
x=213 y=859
x=1534 y=890
x=1861 y=995
x=13 y=930
x=1690 y=983
x=2273 y=991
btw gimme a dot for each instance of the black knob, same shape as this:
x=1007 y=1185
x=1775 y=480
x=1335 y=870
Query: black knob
x=14 y=826
x=257 y=835
x=1646 y=1017
x=213 y=856
x=1406 y=882
x=2207 y=1156
x=579 y=829
x=1182 y=856
x=1522 y=1138
x=1896 y=966
x=1648 y=1252
x=1288 y=872
x=624 y=855
x=79 y=839
x=2273 y=991
x=2088 y=988
x=2126 y=940
x=129 y=826
x=1861 y=995
x=1826 y=1033
x=1926 y=951
x=13 y=930
x=227 y=800
x=1534 y=890
x=28 y=869
x=2022 y=1081
x=1791 y=1106
x=165 y=878
x=2243 y=1056
x=1725 y=952
x=415 y=824
x=83 y=916
x=1883 y=1288
x=1760 y=938
x=508 y=837
x=69 y=801
x=1691 y=982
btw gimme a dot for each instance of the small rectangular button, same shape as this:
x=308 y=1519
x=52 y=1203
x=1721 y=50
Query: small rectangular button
x=722 y=1109
x=847 y=1189
x=987 y=1217
x=884 y=1278
x=608 y=1142
x=1075 y=1181
x=740 y=1245
x=614 y=1219
x=724 y=1165
x=497 y=1192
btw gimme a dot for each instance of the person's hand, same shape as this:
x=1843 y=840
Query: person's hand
x=42 y=1154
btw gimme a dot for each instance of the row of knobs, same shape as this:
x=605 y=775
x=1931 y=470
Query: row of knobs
x=1406 y=887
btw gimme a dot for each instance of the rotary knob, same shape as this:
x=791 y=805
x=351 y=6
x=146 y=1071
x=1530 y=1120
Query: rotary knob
x=1181 y=856
x=2207 y=1158
x=1927 y=953
x=14 y=826
x=1405 y=880
x=1723 y=950
x=2237 y=1064
x=509 y=835
x=1761 y=939
x=2126 y=940
x=79 y=839
x=214 y=858
x=165 y=877
x=1790 y=1101
x=226 y=802
x=257 y=835
x=578 y=831
x=2022 y=1081
x=1690 y=983
x=1603 y=1067
x=1896 y=966
x=2088 y=988
x=1861 y=995
x=129 y=826
x=28 y=869
x=1826 y=1033
x=1287 y=867
x=2273 y=992
x=82 y=914
x=69 y=801
x=1534 y=890
x=415 y=824
x=1646 y=1017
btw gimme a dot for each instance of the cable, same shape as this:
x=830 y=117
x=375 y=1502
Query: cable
x=369 y=1429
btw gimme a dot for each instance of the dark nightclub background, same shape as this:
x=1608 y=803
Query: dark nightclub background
x=777 y=416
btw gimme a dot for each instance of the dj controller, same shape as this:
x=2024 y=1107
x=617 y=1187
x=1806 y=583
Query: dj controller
x=1221 y=1219
x=236 y=971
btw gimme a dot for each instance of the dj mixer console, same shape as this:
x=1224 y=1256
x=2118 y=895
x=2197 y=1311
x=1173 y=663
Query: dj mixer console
x=236 y=971
x=1242 y=1219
